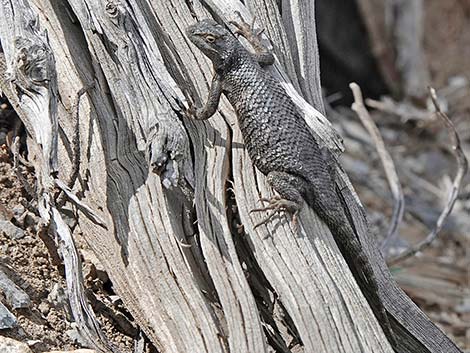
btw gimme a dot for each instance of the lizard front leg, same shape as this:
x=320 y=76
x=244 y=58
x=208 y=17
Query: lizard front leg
x=212 y=102
x=262 y=54
x=290 y=189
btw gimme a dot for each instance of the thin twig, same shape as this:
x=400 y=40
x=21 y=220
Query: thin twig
x=87 y=210
x=13 y=143
x=388 y=165
x=462 y=166
x=405 y=110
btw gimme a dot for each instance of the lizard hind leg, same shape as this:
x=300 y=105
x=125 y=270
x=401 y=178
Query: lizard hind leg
x=289 y=187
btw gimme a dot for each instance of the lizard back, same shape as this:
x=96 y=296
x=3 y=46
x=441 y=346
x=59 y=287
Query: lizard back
x=276 y=135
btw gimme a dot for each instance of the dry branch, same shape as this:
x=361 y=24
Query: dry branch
x=462 y=167
x=406 y=111
x=389 y=167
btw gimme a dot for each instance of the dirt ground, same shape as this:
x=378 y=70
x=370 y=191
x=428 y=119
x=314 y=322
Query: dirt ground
x=46 y=325
x=438 y=280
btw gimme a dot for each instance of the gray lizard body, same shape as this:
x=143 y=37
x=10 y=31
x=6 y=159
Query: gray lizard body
x=278 y=140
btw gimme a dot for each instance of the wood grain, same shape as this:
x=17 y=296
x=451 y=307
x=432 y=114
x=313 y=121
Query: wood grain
x=204 y=287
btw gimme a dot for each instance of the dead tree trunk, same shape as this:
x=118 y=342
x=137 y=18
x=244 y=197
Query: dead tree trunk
x=396 y=34
x=210 y=285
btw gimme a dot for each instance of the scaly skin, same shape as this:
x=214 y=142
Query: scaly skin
x=278 y=140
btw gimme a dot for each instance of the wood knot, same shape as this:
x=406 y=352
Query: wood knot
x=34 y=62
x=112 y=9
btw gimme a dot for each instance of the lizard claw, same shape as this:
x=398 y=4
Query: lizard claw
x=192 y=111
x=277 y=204
x=271 y=201
x=246 y=30
x=265 y=199
x=266 y=220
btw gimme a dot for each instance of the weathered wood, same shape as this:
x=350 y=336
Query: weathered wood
x=378 y=22
x=142 y=250
x=299 y=20
x=31 y=75
x=268 y=15
x=203 y=287
x=408 y=29
x=396 y=31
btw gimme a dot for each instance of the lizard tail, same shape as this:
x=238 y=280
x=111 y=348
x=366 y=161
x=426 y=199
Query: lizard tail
x=331 y=209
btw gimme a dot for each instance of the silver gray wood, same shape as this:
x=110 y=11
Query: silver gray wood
x=195 y=288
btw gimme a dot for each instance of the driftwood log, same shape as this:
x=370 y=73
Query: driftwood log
x=187 y=264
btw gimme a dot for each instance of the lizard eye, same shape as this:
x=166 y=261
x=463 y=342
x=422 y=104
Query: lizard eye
x=210 y=39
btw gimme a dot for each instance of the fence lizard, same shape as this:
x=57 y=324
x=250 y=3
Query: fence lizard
x=279 y=141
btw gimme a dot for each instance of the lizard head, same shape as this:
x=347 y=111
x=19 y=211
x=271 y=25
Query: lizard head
x=216 y=42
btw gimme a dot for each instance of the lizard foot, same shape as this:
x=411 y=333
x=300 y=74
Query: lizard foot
x=192 y=111
x=277 y=204
x=246 y=30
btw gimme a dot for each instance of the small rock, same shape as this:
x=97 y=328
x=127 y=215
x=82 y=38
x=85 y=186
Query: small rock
x=18 y=211
x=15 y=296
x=7 y=321
x=57 y=296
x=97 y=270
x=10 y=230
x=75 y=335
x=26 y=219
x=44 y=308
x=9 y=345
x=5 y=180
x=69 y=217
x=32 y=343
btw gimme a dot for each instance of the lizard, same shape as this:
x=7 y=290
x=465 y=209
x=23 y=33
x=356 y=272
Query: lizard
x=279 y=141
